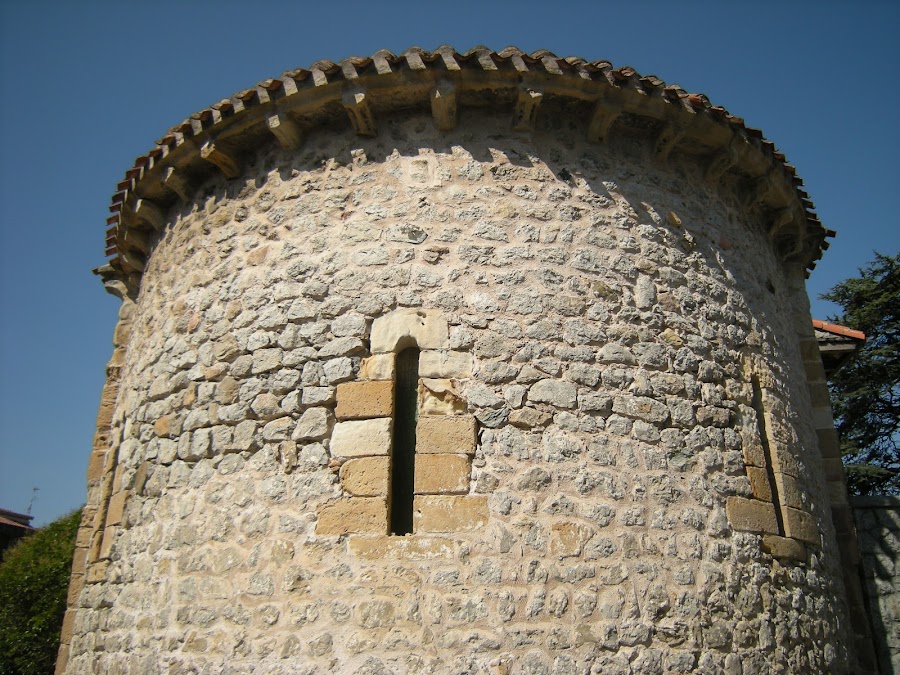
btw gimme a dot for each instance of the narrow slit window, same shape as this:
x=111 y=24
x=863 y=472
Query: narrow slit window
x=767 y=452
x=403 y=454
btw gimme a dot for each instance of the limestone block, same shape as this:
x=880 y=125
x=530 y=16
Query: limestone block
x=95 y=465
x=68 y=626
x=829 y=444
x=359 y=438
x=449 y=513
x=446 y=434
x=442 y=474
x=116 y=508
x=555 y=392
x=366 y=476
x=364 y=400
x=751 y=515
x=377 y=367
x=96 y=571
x=353 y=514
x=801 y=525
x=789 y=491
x=440 y=397
x=528 y=417
x=403 y=328
x=312 y=425
x=404 y=548
x=109 y=536
x=435 y=363
x=759 y=483
x=783 y=547
x=568 y=539
x=752 y=449
x=641 y=408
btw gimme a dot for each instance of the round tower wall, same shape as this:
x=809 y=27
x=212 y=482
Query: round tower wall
x=614 y=459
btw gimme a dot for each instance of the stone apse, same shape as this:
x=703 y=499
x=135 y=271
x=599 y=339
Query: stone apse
x=490 y=362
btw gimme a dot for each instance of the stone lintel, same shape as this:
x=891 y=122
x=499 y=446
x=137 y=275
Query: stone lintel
x=225 y=162
x=402 y=328
x=360 y=438
x=286 y=131
x=356 y=103
x=527 y=104
x=751 y=515
x=453 y=434
x=365 y=400
x=353 y=515
x=366 y=476
x=442 y=474
x=443 y=106
x=449 y=513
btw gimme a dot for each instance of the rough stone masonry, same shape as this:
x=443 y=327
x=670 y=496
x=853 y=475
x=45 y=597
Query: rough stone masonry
x=565 y=301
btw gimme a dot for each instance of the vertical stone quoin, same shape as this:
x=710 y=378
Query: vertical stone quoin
x=608 y=464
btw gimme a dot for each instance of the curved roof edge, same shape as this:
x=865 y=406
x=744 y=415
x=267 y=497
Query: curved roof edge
x=217 y=138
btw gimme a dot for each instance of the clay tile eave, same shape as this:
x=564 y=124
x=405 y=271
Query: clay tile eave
x=837 y=329
x=228 y=113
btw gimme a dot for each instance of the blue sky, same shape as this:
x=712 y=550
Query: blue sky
x=86 y=87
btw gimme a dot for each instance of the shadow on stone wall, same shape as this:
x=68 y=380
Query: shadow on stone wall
x=878 y=525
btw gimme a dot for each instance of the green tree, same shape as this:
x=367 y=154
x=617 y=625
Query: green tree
x=34 y=581
x=865 y=393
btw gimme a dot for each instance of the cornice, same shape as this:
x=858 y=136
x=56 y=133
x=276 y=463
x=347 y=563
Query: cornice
x=284 y=110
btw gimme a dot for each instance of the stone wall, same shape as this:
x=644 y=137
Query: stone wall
x=621 y=477
x=878 y=526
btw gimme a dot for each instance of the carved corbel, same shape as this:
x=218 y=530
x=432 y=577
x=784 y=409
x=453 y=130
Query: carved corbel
x=527 y=104
x=149 y=213
x=175 y=181
x=137 y=239
x=666 y=141
x=785 y=233
x=132 y=259
x=286 y=131
x=721 y=161
x=443 y=106
x=356 y=103
x=602 y=119
x=225 y=162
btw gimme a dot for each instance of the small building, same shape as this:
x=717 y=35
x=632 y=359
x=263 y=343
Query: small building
x=13 y=526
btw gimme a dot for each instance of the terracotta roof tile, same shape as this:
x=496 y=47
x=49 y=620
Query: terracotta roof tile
x=838 y=330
